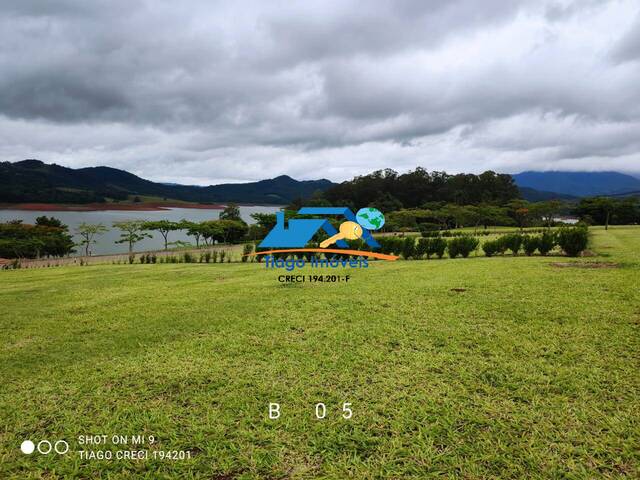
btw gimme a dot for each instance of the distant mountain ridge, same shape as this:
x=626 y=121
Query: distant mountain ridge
x=30 y=181
x=33 y=181
x=578 y=184
x=533 y=195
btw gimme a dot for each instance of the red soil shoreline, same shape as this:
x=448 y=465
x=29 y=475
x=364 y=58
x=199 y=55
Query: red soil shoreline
x=96 y=207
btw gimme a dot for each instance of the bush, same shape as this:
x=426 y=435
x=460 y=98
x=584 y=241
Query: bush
x=530 y=244
x=408 y=248
x=437 y=246
x=546 y=242
x=391 y=245
x=397 y=245
x=513 y=242
x=222 y=255
x=462 y=246
x=428 y=229
x=573 y=240
x=247 y=250
x=421 y=247
x=385 y=245
x=501 y=244
x=491 y=247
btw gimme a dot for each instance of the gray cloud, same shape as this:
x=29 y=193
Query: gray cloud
x=205 y=91
x=628 y=47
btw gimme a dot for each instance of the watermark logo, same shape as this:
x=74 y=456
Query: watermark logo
x=294 y=235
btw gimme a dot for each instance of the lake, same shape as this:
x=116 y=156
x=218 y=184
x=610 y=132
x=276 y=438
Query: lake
x=106 y=242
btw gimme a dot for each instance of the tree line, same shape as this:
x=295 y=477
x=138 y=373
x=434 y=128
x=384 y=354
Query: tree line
x=387 y=190
x=48 y=237
x=420 y=199
x=229 y=228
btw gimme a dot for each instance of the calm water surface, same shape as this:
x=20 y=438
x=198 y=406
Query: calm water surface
x=106 y=242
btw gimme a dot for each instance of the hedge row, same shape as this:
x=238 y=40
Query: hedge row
x=571 y=240
x=408 y=248
x=429 y=233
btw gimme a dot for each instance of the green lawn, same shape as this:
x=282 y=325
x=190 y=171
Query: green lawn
x=531 y=372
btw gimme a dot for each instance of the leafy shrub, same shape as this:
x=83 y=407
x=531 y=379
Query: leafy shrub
x=428 y=229
x=391 y=245
x=530 y=244
x=546 y=242
x=491 y=247
x=188 y=258
x=247 y=250
x=513 y=242
x=573 y=240
x=132 y=258
x=421 y=247
x=207 y=257
x=223 y=254
x=436 y=246
x=385 y=246
x=462 y=246
x=398 y=245
x=408 y=247
x=501 y=243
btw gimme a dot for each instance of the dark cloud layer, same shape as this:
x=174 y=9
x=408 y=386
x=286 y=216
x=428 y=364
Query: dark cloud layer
x=205 y=91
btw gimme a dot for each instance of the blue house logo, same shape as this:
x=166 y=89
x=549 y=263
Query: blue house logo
x=300 y=231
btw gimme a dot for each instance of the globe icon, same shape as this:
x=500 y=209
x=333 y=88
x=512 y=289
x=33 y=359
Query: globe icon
x=370 y=218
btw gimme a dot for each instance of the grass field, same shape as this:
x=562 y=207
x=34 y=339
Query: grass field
x=527 y=371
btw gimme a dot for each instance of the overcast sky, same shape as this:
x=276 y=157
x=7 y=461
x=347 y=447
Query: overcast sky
x=204 y=92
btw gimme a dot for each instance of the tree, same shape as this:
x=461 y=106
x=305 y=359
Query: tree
x=546 y=211
x=232 y=230
x=50 y=222
x=211 y=231
x=193 y=230
x=489 y=215
x=18 y=240
x=231 y=212
x=265 y=220
x=599 y=208
x=87 y=233
x=164 y=227
x=386 y=203
x=132 y=232
x=264 y=223
x=520 y=211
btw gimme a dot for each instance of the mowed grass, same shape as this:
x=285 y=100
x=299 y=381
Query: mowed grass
x=531 y=372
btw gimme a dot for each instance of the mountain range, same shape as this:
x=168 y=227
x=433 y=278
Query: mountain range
x=33 y=181
x=577 y=184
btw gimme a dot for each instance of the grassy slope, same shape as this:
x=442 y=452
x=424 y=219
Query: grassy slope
x=532 y=371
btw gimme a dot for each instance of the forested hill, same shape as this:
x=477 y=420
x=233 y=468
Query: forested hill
x=388 y=190
x=579 y=184
x=34 y=181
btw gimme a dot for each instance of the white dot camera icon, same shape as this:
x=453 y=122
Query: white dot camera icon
x=44 y=447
